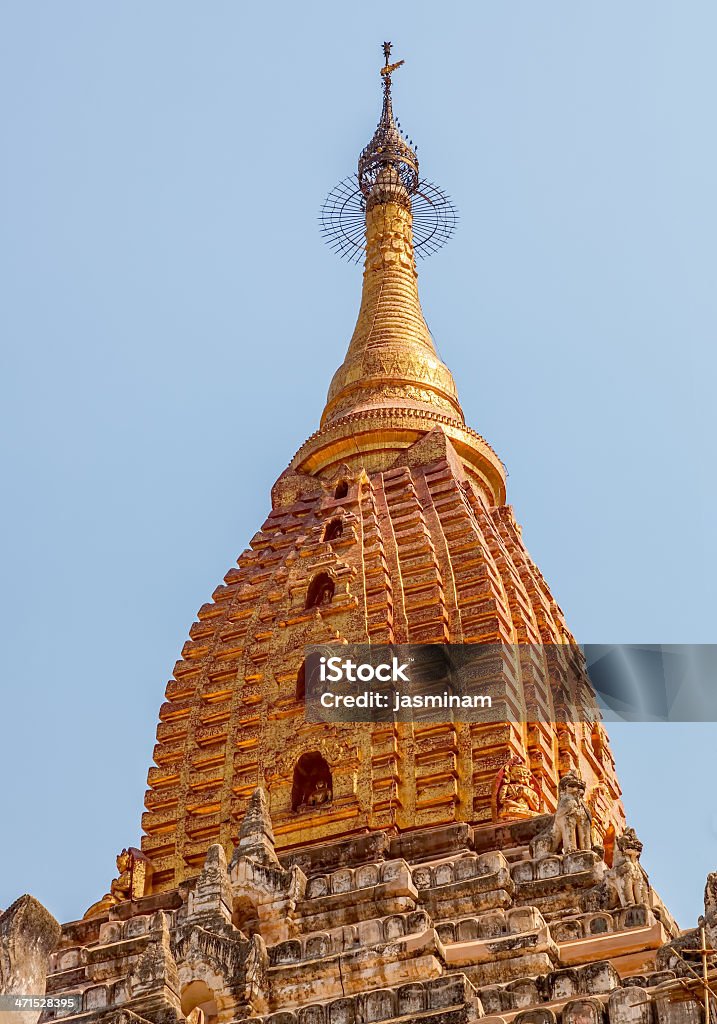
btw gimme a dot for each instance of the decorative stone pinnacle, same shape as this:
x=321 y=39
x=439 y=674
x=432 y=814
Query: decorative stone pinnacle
x=256 y=835
x=212 y=895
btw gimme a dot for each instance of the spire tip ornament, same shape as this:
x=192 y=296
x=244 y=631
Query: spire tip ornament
x=387 y=172
x=388 y=159
x=388 y=69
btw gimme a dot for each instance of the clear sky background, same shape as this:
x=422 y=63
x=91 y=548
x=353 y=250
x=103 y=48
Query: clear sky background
x=171 y=319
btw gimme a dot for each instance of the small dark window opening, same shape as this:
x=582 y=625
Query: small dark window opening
x=301 y=682
x=321 y=591
x=342 y=489
x=333 y=530
x=313 y=785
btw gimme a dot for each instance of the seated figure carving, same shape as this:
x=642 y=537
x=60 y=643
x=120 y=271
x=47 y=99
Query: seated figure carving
x=313 y=785
x=120 y=887
x=517 y=792
x=321 y=591
x=320 y=794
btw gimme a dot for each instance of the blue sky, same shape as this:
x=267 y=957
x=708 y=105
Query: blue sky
x=170 y=322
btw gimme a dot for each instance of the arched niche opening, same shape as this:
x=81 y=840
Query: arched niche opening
x=342 y=489
x=198 y=1000
x=333 y=530
x=313 y=785
x=301 y=682
x=245 y=916
x=321 y=591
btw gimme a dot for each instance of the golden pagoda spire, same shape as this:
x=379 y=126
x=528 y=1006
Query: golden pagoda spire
x=392 y=389
x=391 y=359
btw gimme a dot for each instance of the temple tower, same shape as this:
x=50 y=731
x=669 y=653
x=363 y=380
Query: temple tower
x=401 y=873
x=389 y=526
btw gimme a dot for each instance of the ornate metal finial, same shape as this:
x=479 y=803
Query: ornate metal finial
x=387 y=151
x=388 y=69
x=387 y=172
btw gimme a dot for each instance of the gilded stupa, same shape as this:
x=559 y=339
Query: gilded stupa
x=293 y=872
x=398 y=507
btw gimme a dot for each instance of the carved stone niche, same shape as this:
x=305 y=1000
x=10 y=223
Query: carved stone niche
x=635 y=917
x=516 y=791
x=220 y=973
x=312 y=1015
x=451 y=991
x=321 y=591
x=600 y=924
x=341 y=1011
x=523 y=993
x=582 y=1011
x=411 y=1000
x=567 y=931
x=496 y=1000
x=564 y=984
x=599 y=977
x=629 y=1006
x=312 y=782
x=378 y=1005
x=670 y=1010
x=535 y=1017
